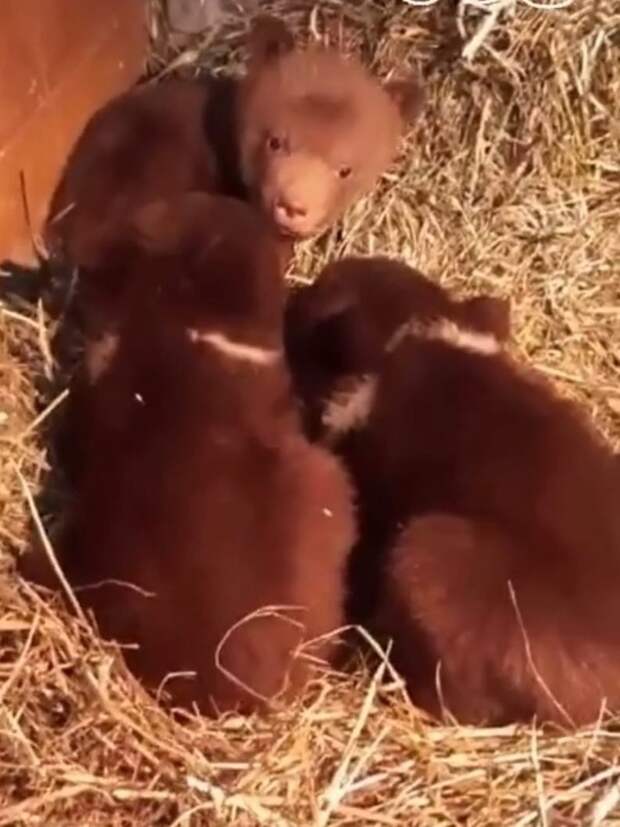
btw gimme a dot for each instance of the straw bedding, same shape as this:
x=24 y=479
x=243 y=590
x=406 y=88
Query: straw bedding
x=511 y=184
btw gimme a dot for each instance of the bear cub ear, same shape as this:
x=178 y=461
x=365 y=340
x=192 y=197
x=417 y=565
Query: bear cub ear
x=408 y=95
x=488 y=314
x=269 y=38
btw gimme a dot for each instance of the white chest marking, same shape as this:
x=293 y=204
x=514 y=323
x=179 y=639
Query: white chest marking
x=235 y=350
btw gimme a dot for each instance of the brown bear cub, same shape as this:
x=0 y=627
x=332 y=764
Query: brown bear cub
x=489 y=506
x=316 y=130
x=205 y=528
x=303 y=134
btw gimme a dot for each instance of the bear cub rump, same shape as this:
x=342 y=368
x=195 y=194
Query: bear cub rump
x=489 y=506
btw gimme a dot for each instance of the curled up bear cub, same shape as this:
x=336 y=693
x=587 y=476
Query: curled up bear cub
x=205 y=528
x=490 y=526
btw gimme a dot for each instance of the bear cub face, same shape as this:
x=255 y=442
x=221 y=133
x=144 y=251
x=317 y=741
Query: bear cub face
x=316 y=128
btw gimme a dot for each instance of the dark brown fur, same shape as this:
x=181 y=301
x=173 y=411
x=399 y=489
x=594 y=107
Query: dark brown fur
x=197 y=485
x=147 y=143
x=492 y=504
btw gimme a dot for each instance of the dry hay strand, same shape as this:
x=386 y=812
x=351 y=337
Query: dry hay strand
x=509 y=184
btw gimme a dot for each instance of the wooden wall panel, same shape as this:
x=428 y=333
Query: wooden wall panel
x=59 y=61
